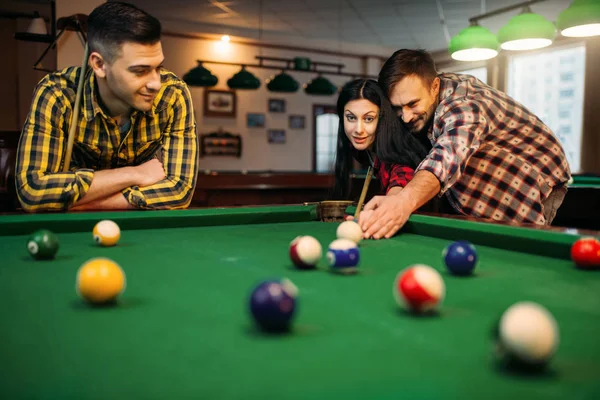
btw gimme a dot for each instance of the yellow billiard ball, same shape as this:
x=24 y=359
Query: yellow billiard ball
x=106 y=233
x=100 y=280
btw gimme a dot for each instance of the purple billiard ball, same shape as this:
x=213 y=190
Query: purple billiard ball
x=273 y=304
x=460 y=257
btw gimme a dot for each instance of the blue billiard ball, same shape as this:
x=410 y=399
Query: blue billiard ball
x=273 y=304
x=343 y=256
x=460 y=257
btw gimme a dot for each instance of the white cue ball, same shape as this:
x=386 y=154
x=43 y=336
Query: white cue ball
x=529 y=331
x=350 y=230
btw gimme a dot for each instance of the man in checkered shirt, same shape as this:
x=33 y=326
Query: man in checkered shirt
x=490 y=157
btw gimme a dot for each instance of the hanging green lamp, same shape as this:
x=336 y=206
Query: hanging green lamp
x=526 y=31
x=200 y=76
x=581 y=19
x=243 y=80
x=283 y=83
x=320 y=87
x=474 y=43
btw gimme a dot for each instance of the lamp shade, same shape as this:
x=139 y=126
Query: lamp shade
x=37 y=25
x=474 y=43
x=320 y=87
x=283 y=83
x=200 y=76
x=526 y=31
x=243 y=80
x=581 y=19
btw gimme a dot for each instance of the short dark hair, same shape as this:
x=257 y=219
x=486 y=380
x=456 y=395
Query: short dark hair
x=114 y=23
x=400 y=147
x=406 y=62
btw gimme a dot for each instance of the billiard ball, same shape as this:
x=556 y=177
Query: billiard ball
x=419 y=288
x=525 y=337
x=100 y=281
x=273 y=305
x=106 y=233
x=42 y=244
x=585 y=252
x=343 y=256
x=305 y=252
x=350 y=230
x=460 y=257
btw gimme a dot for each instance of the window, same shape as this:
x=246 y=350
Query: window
x=327 y=130
x=567 y=77
x=479 y=73
x=565 y=94
x=562 y=105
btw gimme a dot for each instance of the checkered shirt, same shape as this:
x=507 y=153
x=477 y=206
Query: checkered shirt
x=493 y=157
x=167 y=132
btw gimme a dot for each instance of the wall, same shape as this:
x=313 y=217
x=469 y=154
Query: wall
x=9 y=110
x=70 y=48
x=257 y=154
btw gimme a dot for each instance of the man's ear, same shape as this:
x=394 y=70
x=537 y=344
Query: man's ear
x=98 y=64
x=435 y=87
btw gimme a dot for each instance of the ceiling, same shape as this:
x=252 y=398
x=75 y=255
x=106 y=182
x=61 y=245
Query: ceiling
x=365 y=26
x=375 y=27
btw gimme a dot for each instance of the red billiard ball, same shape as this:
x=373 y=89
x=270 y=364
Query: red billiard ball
x=419 y=288
x=585 y=252
x=305 y=252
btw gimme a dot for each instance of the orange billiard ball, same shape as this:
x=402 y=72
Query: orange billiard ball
x=100 y=281
x=106 y=233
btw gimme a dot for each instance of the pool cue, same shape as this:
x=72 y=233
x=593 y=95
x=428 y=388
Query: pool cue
x=361 y=200
x=75 y=116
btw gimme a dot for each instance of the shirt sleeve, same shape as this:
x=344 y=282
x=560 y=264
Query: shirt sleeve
x=179 y=157
x=393 y=175
x=462 y=128
x=41 y=185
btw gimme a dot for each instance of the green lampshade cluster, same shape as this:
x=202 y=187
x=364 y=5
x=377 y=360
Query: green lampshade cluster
x=200 y=76
x=526 y=31
x=243 y=80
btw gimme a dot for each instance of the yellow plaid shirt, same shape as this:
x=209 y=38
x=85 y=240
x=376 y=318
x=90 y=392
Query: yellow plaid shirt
x=167 y=132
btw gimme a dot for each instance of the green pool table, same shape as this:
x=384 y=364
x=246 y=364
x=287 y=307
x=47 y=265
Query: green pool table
x=181 y=329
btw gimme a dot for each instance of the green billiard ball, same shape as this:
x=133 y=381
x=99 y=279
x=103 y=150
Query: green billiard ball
x=42 y=245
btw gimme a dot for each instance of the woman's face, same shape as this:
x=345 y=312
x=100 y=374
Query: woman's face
x=360 y=123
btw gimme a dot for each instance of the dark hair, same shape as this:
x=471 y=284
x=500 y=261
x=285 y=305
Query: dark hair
x=404 y=63
x=400 y=146
x=114 y=23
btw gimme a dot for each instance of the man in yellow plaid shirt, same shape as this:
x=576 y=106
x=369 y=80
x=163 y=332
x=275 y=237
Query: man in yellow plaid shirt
x=135 y=145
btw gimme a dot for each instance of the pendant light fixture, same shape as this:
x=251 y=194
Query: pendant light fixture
x=474 y=43
x=283 y=83
x=244 y=79
x=526 y=31
x=200 y=76
x=581 y=19
x=320 y=86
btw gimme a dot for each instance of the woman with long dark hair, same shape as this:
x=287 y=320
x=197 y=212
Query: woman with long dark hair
x=366 y=118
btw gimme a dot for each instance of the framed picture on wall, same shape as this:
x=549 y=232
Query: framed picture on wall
x=219 y=103
x=255 y=120
x=297 y=121
x=276 y=136
x=276 y=105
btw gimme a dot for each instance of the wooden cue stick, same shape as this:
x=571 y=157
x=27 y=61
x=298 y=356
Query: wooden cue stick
x=75 y=116
x=361 y=200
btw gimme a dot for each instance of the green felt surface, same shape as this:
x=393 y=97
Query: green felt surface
x=182 y=330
